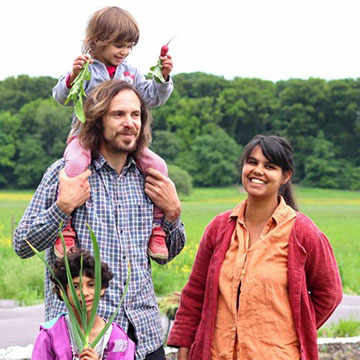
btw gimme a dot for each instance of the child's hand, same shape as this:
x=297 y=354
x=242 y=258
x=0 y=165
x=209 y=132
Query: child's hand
x=89 y=354
x=78 y=65
x=167 y=66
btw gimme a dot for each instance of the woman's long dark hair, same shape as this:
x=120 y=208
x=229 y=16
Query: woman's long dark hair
x=278 y=151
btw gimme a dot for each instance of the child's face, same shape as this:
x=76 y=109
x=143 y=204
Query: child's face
x=88 y=289
x=115 y=54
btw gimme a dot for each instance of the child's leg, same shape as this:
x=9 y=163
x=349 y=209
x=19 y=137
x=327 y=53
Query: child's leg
x=149 y=159
x=77 y=160
x=157 y=245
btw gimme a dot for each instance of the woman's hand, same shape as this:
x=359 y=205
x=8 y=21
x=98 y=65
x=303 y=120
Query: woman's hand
x=183 y=353
x=89 y=354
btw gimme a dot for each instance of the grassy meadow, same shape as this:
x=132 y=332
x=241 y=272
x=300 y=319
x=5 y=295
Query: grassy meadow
x=337 y=213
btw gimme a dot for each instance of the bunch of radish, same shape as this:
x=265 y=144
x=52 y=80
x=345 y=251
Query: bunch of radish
x=155 y=71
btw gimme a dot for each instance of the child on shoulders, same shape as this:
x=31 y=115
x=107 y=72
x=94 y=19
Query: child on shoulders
x=111 y=34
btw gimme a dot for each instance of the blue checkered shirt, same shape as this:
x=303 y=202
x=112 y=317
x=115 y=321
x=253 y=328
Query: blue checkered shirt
x=120 y=215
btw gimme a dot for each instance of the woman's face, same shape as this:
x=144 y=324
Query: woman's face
x=260 y=177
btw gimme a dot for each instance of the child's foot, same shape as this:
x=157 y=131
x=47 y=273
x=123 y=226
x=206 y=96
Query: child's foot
x=69 y=237
x=157 y=246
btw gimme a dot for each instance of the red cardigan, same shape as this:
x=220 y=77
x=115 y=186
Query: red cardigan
x=313 y=279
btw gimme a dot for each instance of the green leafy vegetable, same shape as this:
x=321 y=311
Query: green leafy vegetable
x=77 y=91
x=155 y=73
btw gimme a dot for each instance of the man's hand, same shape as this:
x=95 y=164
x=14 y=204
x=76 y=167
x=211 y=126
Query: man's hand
x=162 y=192
x=167 y=66
x=78 y=65
x=73 y=192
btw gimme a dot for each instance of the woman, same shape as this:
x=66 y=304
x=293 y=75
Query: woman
x=264 y=278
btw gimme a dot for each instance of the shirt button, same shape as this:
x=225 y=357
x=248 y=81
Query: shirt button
x=243 y=272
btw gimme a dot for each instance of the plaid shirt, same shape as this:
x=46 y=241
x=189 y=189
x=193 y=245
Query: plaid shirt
x=120 y=215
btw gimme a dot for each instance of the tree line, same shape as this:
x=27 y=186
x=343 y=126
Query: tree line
x=202 y=128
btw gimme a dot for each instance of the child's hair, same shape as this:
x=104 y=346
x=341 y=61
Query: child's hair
x=74 y=256
x=110 y=25
x=279 y=152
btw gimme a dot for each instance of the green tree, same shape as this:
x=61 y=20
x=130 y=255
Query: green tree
x=32 y=163
x=214 y=158
x=166 y=144
x=247 y=108
x=181 y=179
x=302 y=113
x=44 y=126
x=15 y=92
x=198 y=85
x=321 y=169
x=9 y=126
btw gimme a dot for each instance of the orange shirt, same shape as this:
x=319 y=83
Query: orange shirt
x=254 y=320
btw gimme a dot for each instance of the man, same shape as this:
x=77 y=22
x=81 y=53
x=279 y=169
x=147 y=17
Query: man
x=110 y=197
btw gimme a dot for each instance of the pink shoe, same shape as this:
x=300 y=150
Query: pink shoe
x=69 y=237
x=157 y=246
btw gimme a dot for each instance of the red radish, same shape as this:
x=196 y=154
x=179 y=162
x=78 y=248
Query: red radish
x=164 y=50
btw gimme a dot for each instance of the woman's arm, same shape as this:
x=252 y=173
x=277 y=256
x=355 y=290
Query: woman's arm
x=183 y=353
x=188 y=315
x=323 y=278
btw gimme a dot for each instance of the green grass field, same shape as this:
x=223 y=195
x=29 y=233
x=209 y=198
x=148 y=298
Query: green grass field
x=337 y=213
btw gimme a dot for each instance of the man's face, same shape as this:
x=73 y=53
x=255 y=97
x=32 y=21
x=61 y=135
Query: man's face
x=122 y=123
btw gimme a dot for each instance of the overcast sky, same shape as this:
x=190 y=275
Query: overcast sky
x=268 y=39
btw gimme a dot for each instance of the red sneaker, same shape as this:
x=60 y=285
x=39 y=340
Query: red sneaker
x=69 y=237
x=157 y=246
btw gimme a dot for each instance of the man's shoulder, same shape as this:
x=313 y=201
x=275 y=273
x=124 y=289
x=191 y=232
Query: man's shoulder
x=52 y=172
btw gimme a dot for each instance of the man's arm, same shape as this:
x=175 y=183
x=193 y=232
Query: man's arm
x=163 y=193
x=40 y=223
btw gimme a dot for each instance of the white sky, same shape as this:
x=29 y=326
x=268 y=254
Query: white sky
x=268 y=39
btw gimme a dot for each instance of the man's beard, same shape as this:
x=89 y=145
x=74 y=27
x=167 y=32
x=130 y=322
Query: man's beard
x=115 y=146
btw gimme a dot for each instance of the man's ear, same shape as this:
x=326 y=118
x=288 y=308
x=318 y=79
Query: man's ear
x=286 y=176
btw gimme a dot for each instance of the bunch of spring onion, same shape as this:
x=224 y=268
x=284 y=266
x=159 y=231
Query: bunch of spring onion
x=82 y=336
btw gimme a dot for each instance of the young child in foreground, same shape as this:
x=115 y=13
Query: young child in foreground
x=55 y=340
x=111 y=34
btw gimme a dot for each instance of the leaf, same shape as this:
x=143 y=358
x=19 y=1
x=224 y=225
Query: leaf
x=71 y=286
x=76 y=93
x=155 y=73
x=79 y=337
x=97 y=293
x=79 y=110
x=112 y=318
x=82 y=338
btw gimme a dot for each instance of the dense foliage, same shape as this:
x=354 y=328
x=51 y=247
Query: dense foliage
x=202 y=128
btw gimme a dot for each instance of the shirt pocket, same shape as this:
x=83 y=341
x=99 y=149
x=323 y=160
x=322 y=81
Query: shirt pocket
x=140 y=222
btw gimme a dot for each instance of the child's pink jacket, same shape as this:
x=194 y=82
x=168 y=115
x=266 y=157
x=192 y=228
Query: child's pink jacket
x=53 y=342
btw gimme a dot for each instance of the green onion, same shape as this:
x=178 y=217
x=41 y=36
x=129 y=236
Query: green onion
x=82 y=336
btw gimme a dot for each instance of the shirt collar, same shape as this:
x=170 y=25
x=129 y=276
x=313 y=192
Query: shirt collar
x=100 y=161
x=281 y=212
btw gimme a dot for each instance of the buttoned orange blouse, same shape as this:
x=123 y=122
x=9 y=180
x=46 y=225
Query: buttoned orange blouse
x=253 y=319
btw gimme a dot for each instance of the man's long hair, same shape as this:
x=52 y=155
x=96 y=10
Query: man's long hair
x=98 y=104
